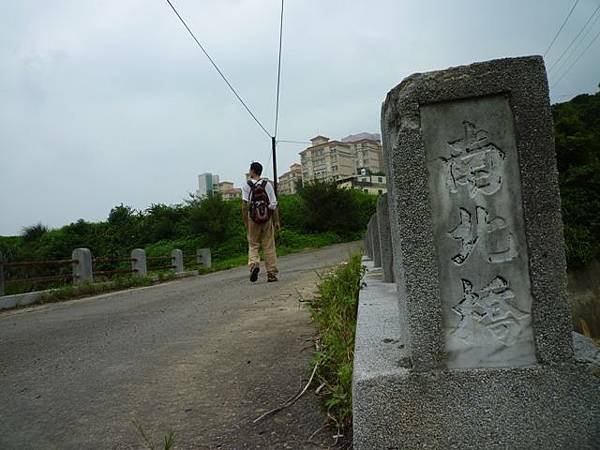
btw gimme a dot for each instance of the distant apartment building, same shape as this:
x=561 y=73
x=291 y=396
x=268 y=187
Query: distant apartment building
x=372 y=184
x=227 y=191
x=290 y=181
x=231 y=194
x=368 y=153
x=208 y=184
x=224 y=186
x=327 y=160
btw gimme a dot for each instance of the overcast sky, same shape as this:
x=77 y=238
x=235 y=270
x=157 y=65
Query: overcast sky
x=105 y=102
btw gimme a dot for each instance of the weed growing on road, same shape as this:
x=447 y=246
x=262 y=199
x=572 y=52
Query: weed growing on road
x=334 y=312
x=168 y=443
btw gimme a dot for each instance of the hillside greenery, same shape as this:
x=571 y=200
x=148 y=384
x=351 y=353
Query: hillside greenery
x=577 y=137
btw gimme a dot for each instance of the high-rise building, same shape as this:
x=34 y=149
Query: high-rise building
x=368 y=153
x=327 y=160
x=208 y=184
x=290 y=181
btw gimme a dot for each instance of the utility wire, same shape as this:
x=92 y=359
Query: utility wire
x=566 y=62
x=278 y=72
x=285 y=141
x=574 y=39
x=577 y=60
x=561 y=27
x=218 y=70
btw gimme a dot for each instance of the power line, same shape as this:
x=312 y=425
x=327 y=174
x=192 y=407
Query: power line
x=574 y=39
x=577 y=60
x=561 y=27
x=578 y=45
x=278 y=72
x=285 y=141
x=218 y=70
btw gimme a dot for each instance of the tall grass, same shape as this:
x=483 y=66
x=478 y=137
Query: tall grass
x=334 y=312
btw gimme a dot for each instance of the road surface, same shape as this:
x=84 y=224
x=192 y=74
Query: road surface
x=201 y=357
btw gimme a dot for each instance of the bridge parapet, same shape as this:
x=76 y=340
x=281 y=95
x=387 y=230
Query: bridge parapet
x=482 y=355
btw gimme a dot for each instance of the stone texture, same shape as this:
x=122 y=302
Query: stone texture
x=385 y=238
x=82 y=269
x=478 y=230
x=376 y=247
x=553 y=407
x=586 y=351
x=177 y=260
x=204 y=257
x=538 y=407
x=369 y=237
x=528 y=398
x=524 y=81
x=139 y=265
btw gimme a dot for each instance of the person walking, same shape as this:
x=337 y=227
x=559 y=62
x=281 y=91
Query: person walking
x=261 y=217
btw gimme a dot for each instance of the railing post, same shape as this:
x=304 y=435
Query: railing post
x=82 y=268
x=1 y=274
x=139 y=264
x=177 y=260
x=204 y=257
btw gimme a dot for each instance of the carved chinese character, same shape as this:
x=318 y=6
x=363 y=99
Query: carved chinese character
x=492 y=234
x=489 y=309
x=475 y=163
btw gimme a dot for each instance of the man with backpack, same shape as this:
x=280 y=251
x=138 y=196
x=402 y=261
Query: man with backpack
x=261 y=217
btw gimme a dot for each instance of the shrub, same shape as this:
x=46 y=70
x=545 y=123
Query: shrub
x=34 y=232
x=329 y=208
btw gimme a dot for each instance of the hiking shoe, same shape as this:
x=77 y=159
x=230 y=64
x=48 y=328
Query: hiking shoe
x=254 y=273
x=271 y=278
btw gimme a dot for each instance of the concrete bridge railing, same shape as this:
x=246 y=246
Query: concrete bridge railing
x=84 y=269
x=463 y=335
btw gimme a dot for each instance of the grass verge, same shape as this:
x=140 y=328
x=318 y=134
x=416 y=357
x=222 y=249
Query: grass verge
x=334 y=312
x=90 y=289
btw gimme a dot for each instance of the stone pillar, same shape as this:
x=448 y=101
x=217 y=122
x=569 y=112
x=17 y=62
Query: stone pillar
x=476 y=209
x=2 y=274
x=375 y=242
x=139 y=265
x=367 y=240
x=82 y=268
x=385 y=238
x=177 y=260
x=204 y=257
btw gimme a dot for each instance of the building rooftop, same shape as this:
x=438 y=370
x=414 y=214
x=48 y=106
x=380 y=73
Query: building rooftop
x=362 y=137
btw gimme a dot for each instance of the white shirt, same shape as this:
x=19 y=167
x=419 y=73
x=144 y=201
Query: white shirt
x=268 y=188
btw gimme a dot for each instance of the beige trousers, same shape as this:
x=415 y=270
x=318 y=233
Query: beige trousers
x=262 y=234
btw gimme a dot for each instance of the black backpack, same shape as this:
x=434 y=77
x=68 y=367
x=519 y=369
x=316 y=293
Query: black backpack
x=259 y=202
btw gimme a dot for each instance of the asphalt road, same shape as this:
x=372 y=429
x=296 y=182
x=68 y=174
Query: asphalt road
x=201 y=357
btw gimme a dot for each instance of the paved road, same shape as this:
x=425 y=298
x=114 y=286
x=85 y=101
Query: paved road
x=202 y=357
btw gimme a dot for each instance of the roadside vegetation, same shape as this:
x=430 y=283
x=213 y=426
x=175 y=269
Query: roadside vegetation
x=334 y=312
x=320 y=215
x=577 y=137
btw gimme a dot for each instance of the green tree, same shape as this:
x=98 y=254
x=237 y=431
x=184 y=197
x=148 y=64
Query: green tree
x=34 y=232
x=577 y=138
x=329 y=208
